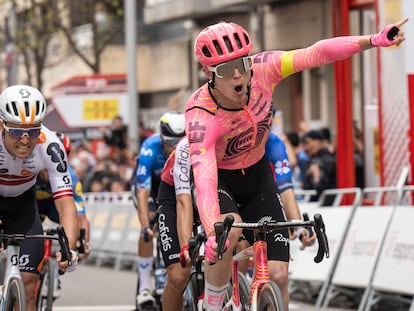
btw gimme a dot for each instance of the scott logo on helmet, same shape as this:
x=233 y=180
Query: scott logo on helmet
x=25 y=93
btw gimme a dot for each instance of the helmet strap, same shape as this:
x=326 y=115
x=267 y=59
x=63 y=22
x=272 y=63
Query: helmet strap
x=211 y=83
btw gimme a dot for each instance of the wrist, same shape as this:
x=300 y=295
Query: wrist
x=184 y=248
x=370 y=41
x=299 y=232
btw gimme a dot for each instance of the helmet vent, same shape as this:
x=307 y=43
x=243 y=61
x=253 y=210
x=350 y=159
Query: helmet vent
x=239 y=43
x=206 y=51
x=37 y=107
x=15 y=111
x=218 y=47
x=247 y=39
x=26 y=108
x=228 y=44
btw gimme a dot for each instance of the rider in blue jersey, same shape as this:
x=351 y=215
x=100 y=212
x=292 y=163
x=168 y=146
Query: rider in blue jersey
x=152 y=156
x=277 y=156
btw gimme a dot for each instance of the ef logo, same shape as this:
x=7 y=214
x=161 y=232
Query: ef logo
x=14 y=260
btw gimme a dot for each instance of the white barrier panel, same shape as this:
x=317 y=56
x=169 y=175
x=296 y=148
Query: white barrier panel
x=395 y=269
x=308 y=207
x=362 y=246
x=303 y=268
x=114 y=226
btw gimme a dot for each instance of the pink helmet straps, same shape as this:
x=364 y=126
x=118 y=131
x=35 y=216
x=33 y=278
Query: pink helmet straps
x=222 y=42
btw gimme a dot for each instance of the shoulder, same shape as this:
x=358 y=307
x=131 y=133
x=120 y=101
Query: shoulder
x=201 y=100
x=153 y=142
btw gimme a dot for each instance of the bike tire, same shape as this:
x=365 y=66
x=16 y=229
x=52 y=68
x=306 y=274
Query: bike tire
x=270 y=298
x=15 y=296
x=244 y=291
x=193 y=290
x=46 y=283
x=188 y=303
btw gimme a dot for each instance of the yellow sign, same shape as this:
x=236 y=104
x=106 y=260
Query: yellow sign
x=392 y=11
x=100 y=109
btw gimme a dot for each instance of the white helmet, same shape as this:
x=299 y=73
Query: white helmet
x=22 y=104
x=172 y=124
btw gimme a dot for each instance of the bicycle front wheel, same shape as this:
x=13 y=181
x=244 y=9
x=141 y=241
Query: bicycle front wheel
x=244 y=291
x=270 y=298
x=44 y=296
x=15 y=297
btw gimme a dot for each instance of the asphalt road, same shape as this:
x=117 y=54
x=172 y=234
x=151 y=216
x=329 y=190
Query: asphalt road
x=91 y=288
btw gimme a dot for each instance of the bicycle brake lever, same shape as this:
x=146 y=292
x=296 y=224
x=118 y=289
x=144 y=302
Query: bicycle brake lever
x=323 y=246
x=64 y=247
x=192 y=243
x=219 y=229
x=221 y=239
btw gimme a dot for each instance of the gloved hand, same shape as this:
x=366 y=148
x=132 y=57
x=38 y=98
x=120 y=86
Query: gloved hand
x=210 y=249
x=391 y=35
x=74 y=264
x=184 y=256
x=147 y=234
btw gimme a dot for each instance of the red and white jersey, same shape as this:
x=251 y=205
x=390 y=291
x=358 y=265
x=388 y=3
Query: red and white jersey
x=19 y=175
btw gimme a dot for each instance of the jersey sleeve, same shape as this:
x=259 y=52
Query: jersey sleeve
x=274 y=66
x=201 y=134
x=55 y=162
x=145 y=164
x=182 y=168
x=278 y=158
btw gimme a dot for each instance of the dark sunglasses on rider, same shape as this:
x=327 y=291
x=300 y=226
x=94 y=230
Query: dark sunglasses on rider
x=226 y=70
x=17 y=132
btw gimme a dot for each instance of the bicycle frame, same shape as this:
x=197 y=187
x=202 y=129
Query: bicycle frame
x=11 y=253
x=260 y=270
x=259 y=251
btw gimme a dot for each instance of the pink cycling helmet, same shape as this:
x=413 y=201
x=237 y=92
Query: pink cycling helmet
x=222 y=42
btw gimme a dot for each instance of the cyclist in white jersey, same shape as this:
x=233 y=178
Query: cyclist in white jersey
x=26 y=148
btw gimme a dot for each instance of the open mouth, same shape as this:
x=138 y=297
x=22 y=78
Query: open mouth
x=238 y=88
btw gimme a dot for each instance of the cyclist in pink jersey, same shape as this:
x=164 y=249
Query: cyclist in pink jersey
x=227 y=125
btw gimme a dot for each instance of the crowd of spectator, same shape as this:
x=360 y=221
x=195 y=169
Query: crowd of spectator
x=312 y=155
x=111 y=169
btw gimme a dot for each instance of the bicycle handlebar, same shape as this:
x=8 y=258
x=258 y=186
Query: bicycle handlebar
x=194 y=244
x=222 y=230
x=17 y=238
x=267 y=226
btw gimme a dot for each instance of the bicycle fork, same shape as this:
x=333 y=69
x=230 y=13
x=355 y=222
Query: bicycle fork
x=234 y=302
x=260 y=272
x=12 y=269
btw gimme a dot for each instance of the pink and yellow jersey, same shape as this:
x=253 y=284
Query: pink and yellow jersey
x=235 y=138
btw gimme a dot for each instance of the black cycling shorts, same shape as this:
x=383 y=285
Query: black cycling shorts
x=167 y=224
x=21 y=216
x=254 y=196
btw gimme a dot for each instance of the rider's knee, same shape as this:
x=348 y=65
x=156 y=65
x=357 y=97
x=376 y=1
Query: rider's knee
x=278 y=273
x=178 y=277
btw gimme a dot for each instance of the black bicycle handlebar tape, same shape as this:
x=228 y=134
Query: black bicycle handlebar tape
x=222 y=237
x=64 y=247
x=82 y=241
x=192 y=243
x=392 y=33
x=323 y=247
